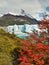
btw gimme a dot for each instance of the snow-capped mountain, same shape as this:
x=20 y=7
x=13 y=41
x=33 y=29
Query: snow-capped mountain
x=10 y=19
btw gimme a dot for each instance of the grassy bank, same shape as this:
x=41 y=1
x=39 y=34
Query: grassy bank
x=7 y=44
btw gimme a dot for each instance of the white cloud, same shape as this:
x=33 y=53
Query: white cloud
x=30 y=6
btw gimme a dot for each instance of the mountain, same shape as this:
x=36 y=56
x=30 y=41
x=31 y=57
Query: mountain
x=9 y=19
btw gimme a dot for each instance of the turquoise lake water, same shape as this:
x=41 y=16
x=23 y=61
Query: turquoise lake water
x=22 y=35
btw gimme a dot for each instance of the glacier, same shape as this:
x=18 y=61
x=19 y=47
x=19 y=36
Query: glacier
x=21 y=30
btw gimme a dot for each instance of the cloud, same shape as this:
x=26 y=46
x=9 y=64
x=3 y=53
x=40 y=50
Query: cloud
x=3 y=3
x=30 y=6
x=44 y=3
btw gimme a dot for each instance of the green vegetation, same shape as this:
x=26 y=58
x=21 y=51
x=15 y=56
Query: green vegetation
x=8 y=43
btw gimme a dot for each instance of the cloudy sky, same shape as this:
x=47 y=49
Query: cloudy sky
x=33 y=7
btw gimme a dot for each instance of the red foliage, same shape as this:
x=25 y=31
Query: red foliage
x=36 y=53
x=33 y=53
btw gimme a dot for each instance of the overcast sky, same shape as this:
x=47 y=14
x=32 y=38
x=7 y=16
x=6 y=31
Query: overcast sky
x=32 y=7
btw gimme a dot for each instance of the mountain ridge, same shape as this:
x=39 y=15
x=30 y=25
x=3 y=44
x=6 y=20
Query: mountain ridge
x=10 y=19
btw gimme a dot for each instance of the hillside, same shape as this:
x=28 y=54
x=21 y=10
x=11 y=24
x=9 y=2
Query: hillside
x=7 y=44
x=9 y=19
